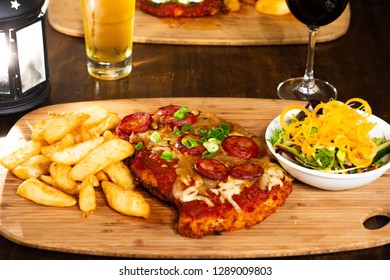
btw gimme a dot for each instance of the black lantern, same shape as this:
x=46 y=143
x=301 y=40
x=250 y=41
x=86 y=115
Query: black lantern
x=24 y=73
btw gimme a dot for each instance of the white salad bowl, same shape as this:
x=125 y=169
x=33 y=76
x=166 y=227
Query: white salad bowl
x=325 y=180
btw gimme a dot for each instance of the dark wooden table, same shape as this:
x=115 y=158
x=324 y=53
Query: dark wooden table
x=357 y=64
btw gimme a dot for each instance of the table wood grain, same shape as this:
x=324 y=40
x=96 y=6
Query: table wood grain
x=357 y=64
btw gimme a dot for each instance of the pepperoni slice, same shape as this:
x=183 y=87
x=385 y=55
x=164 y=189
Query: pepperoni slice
x=193 y=151
x=121 y=134
x=166 y=114
x=172 y=121
x=168 y=110
x=211 y=169
x=240 y=146
x=136 y=122
x=246 y=171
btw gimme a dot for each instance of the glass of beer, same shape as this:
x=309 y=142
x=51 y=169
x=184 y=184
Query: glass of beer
x=108 y=33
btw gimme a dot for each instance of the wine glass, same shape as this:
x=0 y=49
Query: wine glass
x=313 y=13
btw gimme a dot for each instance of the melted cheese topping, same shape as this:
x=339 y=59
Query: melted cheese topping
x=273 y=176
x=225 y=190
x=229 y=188
x=199 y=188
x=192 y=193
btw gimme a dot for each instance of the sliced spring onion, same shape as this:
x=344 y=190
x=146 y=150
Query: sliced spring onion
x=138 y=146
x=225 y=128
x=211 y=145
x=181 y=113
x=189 y=142
x=177 y=131
x=185 y=129
x=155 y=137
x=207 y=154
x=218 y=133
x=167 y=155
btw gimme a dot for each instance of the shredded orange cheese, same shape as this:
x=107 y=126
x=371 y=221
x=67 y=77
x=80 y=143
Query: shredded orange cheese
x=337 y=126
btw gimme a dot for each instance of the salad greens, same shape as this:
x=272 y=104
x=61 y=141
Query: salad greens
x=328 y=157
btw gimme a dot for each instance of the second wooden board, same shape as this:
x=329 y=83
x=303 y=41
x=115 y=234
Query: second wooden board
x=246 y=27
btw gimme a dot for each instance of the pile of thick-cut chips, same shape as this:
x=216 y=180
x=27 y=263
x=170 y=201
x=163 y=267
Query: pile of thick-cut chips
x=70 y=155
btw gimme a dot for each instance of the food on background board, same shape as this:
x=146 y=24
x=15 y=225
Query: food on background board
x=202 y=8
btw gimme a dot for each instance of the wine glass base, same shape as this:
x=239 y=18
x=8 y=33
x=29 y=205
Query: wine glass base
x=293 y=89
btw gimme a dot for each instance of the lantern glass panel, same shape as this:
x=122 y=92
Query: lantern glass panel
x=31 y=56
x=4 y=59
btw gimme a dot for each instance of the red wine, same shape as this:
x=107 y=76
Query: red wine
x=317 y=12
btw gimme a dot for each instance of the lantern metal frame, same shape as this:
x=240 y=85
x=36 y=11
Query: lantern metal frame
x=20 y=97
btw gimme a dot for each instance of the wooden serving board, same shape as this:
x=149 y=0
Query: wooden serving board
x=311 y=221
x=246 y=27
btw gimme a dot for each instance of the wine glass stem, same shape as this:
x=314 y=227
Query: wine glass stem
x=308 y=85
